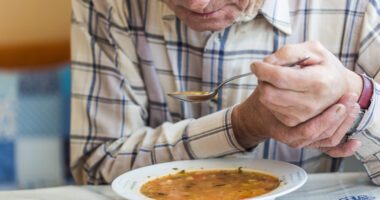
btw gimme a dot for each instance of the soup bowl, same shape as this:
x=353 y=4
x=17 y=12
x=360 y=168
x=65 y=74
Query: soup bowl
x=128 y=185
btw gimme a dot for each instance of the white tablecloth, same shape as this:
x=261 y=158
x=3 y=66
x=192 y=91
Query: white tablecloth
x=332 y=186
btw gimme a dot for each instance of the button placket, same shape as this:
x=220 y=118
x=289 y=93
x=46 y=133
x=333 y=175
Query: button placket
x=209 y=73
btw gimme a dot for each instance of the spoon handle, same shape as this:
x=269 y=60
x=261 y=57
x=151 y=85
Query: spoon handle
x=231 y=79
x=248 y=74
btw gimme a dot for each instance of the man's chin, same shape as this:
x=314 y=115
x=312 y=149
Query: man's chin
x=208 y=26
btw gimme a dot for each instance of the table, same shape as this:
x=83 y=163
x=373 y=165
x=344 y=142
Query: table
x=334 y=186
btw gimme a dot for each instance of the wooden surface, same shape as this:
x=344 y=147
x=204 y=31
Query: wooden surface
x=34 y=55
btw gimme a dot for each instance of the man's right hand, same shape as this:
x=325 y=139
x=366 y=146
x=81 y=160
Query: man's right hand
x=253 y=123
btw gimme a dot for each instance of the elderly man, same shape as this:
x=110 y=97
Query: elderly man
x=128 y=54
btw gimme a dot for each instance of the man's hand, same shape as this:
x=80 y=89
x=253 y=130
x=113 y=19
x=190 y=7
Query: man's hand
x=295 y=95
x=335 y=144
x=253 y=122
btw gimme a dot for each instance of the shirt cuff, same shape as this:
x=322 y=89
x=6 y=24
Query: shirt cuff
x=211 y=136
x=368 y=131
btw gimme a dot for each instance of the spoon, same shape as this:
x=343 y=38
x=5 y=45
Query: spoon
x=199 y=96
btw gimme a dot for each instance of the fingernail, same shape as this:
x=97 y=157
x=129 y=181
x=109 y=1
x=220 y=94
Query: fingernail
x=340 y=110
x=270 y=59
x=357 y=107
x=357 y=144
x=253 y=66
x=307 y=57
x=355 y=110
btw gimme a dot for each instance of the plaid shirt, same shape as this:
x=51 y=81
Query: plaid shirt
x=128 y=54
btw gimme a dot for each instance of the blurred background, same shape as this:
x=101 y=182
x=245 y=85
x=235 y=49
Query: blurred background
x=34 y=93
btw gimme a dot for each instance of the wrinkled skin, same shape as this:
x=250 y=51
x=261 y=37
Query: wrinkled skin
x=209 y=15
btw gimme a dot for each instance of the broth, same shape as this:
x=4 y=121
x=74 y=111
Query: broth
x=210 y=185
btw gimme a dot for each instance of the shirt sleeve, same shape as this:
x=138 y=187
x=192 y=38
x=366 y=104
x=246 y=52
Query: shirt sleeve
x=369 y=62
x=109 y=132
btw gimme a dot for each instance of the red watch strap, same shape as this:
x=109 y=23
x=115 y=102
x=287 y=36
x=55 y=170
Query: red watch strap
x=366 y=95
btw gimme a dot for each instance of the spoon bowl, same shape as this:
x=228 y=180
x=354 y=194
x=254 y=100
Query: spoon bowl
x=192 y=96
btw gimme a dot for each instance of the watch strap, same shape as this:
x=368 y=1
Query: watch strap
x=366 y=95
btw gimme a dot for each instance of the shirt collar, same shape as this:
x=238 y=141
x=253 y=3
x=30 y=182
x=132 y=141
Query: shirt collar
x=275 y=12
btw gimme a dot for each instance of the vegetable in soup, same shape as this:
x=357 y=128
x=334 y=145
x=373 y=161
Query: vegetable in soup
x=210 y=185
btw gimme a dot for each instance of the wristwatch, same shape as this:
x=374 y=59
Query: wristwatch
x=364 y=103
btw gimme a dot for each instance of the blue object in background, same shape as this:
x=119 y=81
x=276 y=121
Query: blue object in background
x=34 y=128
x=7 y=162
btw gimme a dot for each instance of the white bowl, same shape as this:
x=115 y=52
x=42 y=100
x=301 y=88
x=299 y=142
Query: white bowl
x=292 y=177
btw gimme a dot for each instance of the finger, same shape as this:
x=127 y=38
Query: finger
x=341 y=131
x=294 y=52
x=307 y=133
x=282 y=77
x=349 y=100
x=343 y=150
x=329 y=136
x=280 y=97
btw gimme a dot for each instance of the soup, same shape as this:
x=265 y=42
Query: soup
x=210 y=185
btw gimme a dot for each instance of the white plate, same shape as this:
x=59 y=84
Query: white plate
x=128 y=184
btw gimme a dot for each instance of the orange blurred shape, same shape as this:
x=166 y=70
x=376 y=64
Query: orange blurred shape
x=34 y=56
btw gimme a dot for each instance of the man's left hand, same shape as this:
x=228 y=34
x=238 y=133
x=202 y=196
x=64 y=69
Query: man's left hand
x=295 y=95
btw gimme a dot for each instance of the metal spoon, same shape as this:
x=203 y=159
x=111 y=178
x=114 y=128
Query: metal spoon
x=199 y=96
